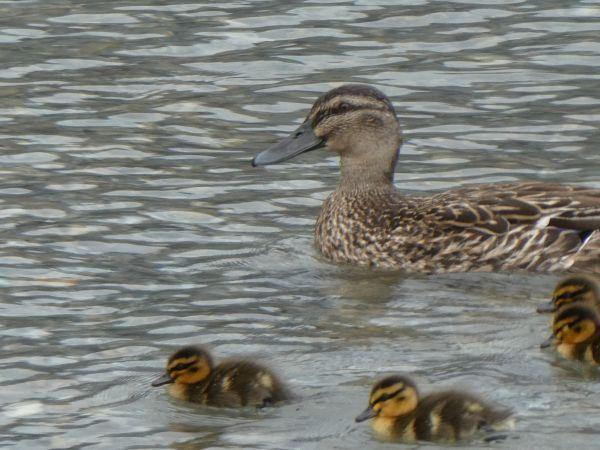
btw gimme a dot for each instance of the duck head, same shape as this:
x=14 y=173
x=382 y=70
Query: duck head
x=393 y=396
x=571 y=290
x=356 y=121
x=189 y=365
x=575 y=324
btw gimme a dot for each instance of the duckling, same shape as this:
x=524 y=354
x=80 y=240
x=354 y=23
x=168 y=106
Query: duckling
x=195 y=379
x=367 y=221
x=573 y=289
x=576 y=331
x=399 y=413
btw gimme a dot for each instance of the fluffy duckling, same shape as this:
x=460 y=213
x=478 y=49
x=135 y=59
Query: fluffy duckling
x=400 y=414
x=576 y=331
x=573 y=289
x=195 y=379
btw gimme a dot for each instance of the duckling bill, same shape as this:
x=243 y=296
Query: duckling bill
x=194 y=378
x=399 y=413
x=367 y=221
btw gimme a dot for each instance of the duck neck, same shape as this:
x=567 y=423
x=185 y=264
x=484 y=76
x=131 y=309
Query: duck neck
x=368 y=160
x=360 y=174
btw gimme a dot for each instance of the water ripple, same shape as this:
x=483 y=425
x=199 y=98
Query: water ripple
x=132 y=221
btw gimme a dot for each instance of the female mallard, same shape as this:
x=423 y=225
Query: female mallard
x=399 y=413
x=366 y=220
x=576 y=331
x=193 y=377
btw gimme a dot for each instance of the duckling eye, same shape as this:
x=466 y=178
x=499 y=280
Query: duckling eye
x=181 y=366
x=577 y=328
x=385 y=397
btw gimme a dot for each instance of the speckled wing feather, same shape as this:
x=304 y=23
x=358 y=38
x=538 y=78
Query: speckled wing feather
x=533 y=226
x=527 y=203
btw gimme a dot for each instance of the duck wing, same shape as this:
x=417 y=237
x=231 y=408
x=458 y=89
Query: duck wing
x=546 y=204
x=532 y=226
x=499 y=208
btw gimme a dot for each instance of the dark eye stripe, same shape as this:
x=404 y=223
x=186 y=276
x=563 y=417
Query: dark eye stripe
x=571 y=295
x=570 y=324
x=182 y=366
x=340 y=109
x=385 y=397
x=343 y=108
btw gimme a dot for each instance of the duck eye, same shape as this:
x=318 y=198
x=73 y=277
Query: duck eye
x=344 y=106
x=577 y=329
x=181 y=366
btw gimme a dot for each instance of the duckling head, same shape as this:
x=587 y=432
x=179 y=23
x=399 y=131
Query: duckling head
x=575 y=324
x=571 y=290
x=189 y=365
x=356 y=121
x=393 y=396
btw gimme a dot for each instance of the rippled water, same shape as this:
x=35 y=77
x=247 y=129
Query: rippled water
x=133 y=223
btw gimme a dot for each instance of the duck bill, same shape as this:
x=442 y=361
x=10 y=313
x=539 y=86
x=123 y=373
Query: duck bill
x=367 y=414
x=164 y=379
x=547 y=307
x=548 y=342
x=300 y=141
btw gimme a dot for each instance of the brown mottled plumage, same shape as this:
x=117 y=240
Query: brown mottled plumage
x=366 y=220
x=230 y=384
x=399 y=413
x=576 y=331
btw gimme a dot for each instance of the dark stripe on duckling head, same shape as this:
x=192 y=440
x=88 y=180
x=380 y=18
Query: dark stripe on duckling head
x=189 y=353
x=572 y=315
x=392 y=380
x=384 y=397
x=569 y=297
x=576 y=281
x=183 y=365
x=389 y=388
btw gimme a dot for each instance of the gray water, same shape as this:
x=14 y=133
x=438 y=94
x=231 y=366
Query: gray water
x=133 y=223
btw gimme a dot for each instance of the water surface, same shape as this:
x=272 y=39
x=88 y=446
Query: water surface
x=132 y=222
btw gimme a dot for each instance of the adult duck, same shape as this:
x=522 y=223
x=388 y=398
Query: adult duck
x=366 y=220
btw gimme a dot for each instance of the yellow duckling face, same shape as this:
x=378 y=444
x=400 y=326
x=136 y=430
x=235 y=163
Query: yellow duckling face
x=575 y=324
x=571 y=290
x=189 y=365
x=391 y=397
